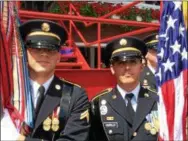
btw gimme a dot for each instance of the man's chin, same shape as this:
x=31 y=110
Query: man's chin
x=41 y=70
x=127 y=81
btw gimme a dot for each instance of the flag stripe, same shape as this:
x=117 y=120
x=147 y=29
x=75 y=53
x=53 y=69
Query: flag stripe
x=171 y=72
x=185 y=108
x=164 y=133
x=179 y=106
x=169 y=98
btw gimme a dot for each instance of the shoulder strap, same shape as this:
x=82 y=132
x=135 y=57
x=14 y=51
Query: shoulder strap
x=65 y=101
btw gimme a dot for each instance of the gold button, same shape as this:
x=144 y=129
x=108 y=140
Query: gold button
x=134 y=134
x=114 y=96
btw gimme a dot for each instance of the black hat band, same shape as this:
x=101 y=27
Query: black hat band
x=42 y=44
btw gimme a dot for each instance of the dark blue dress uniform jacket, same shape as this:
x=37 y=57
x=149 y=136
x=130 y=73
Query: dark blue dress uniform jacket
x=114 y=124
x=72 y=127
x=147 y=79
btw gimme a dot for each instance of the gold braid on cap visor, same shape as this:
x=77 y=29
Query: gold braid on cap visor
x=125 y=49
x=152 y=41
x=45 y=34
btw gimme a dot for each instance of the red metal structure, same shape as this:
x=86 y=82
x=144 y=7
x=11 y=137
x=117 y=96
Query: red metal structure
x=78 y=71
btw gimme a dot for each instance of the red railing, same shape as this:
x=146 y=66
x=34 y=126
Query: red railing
x=93 y=80
x=145 y=27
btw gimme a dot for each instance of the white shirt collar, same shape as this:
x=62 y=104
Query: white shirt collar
x=134 y=91
x=35 y=85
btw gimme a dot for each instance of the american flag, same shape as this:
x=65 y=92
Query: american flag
x=172 y=72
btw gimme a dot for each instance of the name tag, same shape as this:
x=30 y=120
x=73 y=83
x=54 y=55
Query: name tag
x=111 y=124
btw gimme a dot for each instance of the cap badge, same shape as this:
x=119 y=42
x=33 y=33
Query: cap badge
x=45 y=27
x=123 y=42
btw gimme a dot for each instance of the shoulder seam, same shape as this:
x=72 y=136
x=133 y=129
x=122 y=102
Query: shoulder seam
x=102 y=93
x=70 y=82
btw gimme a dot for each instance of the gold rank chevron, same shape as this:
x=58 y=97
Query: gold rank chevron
x=85 y=114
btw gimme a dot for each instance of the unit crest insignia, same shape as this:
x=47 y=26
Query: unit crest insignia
x=45 y=27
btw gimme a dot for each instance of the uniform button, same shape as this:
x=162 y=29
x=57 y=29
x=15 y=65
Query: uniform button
x=134 y=134
x=110 y=131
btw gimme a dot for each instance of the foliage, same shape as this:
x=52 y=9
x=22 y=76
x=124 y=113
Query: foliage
x=97 y=9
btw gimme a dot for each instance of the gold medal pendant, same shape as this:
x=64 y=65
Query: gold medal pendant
x=153 y=131
x=47 y=124
x=156 y=124
x=55 y=124
x=55 y=128
x=148 y=126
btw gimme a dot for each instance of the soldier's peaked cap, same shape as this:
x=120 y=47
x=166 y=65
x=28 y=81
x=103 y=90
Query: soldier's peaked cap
x=43 y=34
x=125 y=48
x=151 y=41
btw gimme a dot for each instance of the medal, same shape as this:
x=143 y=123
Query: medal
x=55 y=121
x=155 y=120
x=55 y=127
x=153 y=131
x=46 y=127
x=148 y=126
x=55 y=124
x=47 y=124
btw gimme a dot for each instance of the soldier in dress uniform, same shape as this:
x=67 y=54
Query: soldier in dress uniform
x=60 y=107
x=128 y=111
x=148 y=75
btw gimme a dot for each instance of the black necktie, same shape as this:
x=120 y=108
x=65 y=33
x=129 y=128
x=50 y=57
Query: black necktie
x=40 y=99
x=129 y=107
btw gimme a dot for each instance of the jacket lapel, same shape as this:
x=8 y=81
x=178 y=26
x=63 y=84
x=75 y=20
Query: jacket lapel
x=52 y=100
x=145 y=104
x=118 y=104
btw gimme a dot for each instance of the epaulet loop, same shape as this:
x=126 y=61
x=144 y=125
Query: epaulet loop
x=152 y=90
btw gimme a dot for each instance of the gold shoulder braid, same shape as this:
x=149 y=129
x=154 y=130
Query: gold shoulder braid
x=70 y=82
x=102 y=93
x=152 y=90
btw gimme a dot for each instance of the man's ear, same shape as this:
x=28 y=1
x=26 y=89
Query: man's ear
x=142 y=66
x=59 y=57
x=112 y=69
